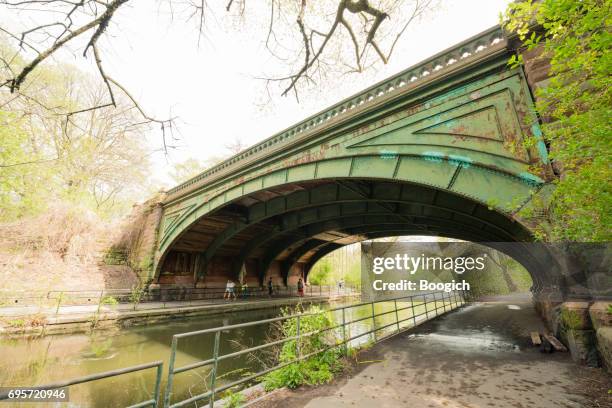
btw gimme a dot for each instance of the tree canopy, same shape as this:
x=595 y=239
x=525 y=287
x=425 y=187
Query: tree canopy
x=575 y=105
x=99 y=162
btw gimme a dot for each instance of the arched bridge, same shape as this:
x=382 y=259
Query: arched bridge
x=449 y=147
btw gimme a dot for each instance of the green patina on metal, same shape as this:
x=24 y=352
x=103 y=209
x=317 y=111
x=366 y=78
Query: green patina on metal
x=453 y=123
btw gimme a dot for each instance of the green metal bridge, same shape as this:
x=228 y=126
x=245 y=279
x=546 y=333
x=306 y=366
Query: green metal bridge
x=449 y=147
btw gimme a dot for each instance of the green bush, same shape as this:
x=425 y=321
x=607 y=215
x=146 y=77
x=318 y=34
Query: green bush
x=318 y=369
x=233 y=400
x=109 y=300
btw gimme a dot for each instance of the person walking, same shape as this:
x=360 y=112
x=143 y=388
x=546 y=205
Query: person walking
x=270 y=287
x=300 y=287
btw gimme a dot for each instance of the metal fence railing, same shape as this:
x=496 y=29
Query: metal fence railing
x=422 y=307
x=52 y=302
x=421 y=310
x=151 y=402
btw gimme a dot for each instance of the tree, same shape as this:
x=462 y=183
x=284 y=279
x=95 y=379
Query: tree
x=100 y=162
x=19 y=169
x=187 y=169
x=576 y=107
x=308 y=37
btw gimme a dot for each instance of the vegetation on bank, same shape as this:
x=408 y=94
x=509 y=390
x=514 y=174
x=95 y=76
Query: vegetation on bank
x=576 y=107
x=315 y=370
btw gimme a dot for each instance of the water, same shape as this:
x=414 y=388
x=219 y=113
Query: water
x=27 y=362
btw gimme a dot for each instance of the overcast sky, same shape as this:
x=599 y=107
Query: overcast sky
x=212 y=87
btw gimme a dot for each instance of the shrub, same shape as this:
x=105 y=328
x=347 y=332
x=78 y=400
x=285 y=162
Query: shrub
x=318 y=369
x=233 y=400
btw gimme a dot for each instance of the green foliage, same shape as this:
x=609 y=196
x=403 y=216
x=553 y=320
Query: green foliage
x=109 y=300
x=576 y=101
x=98 y=160
x=321 y=273
x=570 y=319
x=136 y=294
x=99 y=349
x=344 y=263
x=115 y=256
x=315 y=370
x=18 y=323
x=610 y=309
x=233 y=400
x=187 y=169
x=19 y=170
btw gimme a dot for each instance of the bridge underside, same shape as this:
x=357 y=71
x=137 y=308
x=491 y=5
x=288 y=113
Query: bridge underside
x=282 y=231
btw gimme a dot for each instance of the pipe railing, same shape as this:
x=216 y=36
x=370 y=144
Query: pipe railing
x=418 y=305
x=54 y=300
x=151 y=402
x=452 y=300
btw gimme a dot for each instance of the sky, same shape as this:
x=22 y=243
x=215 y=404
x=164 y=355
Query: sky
x=210 y=83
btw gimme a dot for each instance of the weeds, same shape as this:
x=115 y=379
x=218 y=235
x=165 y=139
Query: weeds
x=315 y=370
x=233 y=400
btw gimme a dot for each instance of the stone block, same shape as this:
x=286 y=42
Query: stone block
x=600 y=317
x=604 y=346
x=582 y=346
x=575 y=316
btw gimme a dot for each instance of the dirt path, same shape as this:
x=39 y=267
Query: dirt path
x=477 y=357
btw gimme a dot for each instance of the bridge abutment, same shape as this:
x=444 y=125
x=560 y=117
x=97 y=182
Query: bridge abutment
x=584 y=326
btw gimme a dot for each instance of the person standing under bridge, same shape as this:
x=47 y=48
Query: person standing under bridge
x=270 y=287
x=300 y=288
x=229 y=290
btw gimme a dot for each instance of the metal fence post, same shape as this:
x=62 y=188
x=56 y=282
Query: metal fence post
x=396 y=315
x=412 y=308
x=373 y=322
x=100 y=301
x=425 y=303
x=435 y=302
x=444 y=301
x=59 y=302
x=213 y=374
x=168 y=393
x=344 y=331
x=158 y=376
x=297 y=341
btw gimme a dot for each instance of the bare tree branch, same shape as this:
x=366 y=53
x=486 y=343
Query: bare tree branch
x=303 y=24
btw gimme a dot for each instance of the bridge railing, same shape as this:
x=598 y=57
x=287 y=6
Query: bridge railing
x=151 y=402
x=54 y=301
x=422 y=307
x=473 y=48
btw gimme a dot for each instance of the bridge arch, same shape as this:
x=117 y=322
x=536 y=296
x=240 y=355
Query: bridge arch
x=437 y=154
x=294 y=224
